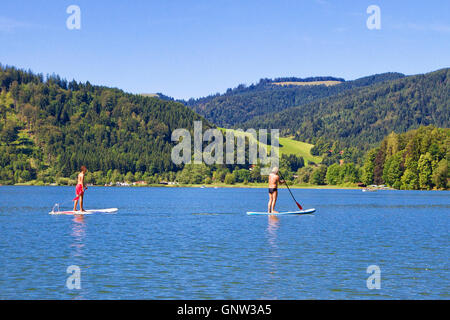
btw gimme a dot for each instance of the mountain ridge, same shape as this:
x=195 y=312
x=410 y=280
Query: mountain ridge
x=363 y=116
x=240 y=104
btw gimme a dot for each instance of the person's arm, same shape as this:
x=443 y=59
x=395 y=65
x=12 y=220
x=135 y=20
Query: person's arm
x=279 y=180
x=84 y=184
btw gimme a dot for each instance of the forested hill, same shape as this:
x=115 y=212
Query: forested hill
x=361 y=117
x=417 y=159
x=274 y=95
x=49 y=127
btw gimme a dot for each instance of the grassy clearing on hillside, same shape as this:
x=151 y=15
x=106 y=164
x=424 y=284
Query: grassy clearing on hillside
x=299 y=148
x=308 y=83
x=150 y=95
x=288 y=146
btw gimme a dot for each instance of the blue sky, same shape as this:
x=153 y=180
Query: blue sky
x=193 y=48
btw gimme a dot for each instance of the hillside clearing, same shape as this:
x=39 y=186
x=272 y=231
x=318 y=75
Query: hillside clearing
x=308 y=83
x=287 y=146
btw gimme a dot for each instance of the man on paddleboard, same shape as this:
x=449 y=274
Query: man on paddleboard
x=274 y=179
x=79 y=190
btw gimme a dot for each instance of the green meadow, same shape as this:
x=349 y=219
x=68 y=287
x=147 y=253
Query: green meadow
x=287 y=146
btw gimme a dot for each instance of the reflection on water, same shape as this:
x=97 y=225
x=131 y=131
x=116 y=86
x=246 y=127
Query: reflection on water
x=272 y=227
x=78 y=234
x=272 y=258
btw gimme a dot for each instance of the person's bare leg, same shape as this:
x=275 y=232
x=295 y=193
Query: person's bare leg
x=269 y=205
x=81 y=203
x=274 y=201
x=75 y=205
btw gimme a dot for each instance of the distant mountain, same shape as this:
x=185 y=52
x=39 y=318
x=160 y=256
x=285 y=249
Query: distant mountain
x=243 y=103
x=362 y=116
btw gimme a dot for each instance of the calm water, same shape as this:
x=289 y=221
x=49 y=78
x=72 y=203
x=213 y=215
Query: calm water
x=193 y=243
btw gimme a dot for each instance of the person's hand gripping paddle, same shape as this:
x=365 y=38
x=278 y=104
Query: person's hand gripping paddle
x=298 y=204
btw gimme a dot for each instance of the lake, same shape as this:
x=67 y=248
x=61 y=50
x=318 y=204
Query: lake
x=198 y=243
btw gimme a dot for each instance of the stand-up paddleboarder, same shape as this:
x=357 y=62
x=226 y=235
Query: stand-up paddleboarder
x=274 y=179
x=79 y=190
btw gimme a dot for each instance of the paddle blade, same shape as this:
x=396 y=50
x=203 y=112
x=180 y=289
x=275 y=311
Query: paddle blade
x=298 y=205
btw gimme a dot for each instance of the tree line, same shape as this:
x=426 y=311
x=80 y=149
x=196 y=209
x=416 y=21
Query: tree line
x=417 y=159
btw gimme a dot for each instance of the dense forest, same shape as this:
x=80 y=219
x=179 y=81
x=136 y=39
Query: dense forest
x=49 y=127
x=362 y=117
x=245 y=102
x=417 y=159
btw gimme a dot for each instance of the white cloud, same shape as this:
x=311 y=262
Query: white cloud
x=322 y=2
x=8 y=25
x=440 y=28
x=434 y=27
x=340 y=29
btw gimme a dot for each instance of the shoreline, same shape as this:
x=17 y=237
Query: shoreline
x=210 y=186
x=220 y=186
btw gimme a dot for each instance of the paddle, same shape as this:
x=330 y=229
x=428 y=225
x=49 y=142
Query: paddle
x=298 y=204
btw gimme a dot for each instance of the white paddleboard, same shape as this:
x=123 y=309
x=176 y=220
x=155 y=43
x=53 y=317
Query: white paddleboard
x=306 y=211
x=110 y=210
